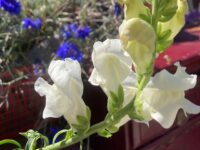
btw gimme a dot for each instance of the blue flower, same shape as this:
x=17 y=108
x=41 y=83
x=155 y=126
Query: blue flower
x=73 y=30
x=11 y=6
x=37 y=23
x=65 y=32
x=83 y=32
x=73 y=27
x=117 y=9
x=69 y=30
x=69 y=50
x=38 y=68
x=33 y=24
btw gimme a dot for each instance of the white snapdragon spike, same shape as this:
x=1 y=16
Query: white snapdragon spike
x=178 y=20
x=138 y=39
x=63 y=98
x=111 y=64
x=164 y=96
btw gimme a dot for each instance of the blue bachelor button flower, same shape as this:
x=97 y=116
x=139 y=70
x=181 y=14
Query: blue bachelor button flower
x=83 y=32
x=11 y=6
x=33 y=24
x=69 y=50
x=117 y=9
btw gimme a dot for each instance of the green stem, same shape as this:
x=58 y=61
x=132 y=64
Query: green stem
x=10 y=141
x=154 y=13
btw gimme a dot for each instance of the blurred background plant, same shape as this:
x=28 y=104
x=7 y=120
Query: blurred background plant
x=34 y=32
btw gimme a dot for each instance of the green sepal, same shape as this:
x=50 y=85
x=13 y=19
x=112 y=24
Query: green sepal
x=83 y=122
x=136 y=113
x=163 y=43
x=112 y=129
x=146 y=17
x=107 y=133
x=163 y=36
x=70 y=134
x=166 y=18
x=115 y=101
x=32 y=137
x=136 y=116
x=120 y=94
x=104 y=133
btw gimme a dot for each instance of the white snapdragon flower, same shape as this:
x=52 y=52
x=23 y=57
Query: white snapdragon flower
x=164 y=96
x=111 y=64
x=63 y=98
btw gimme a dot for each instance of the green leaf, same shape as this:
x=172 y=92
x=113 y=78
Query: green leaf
x=10 y=141
x=104 y=133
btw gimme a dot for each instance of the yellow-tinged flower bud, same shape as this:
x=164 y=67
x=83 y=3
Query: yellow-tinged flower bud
x=133 y=8
x=178 y=21
x=138 y=39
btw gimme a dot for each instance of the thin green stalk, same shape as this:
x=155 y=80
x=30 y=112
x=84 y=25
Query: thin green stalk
x=154 y=13
x=10 y=141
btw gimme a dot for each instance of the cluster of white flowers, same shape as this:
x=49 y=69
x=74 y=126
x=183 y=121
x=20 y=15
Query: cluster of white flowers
x=163 y=95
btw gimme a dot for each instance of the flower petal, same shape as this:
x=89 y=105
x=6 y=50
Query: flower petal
x=179 y=81
x=108 y=58
x=190 y=107
x=133 y=8
x=41 y=87
x=67 y=76
x=166 y=118
x=162 y=105
x=47 y=113
x=178 y=21
x=95 y=79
